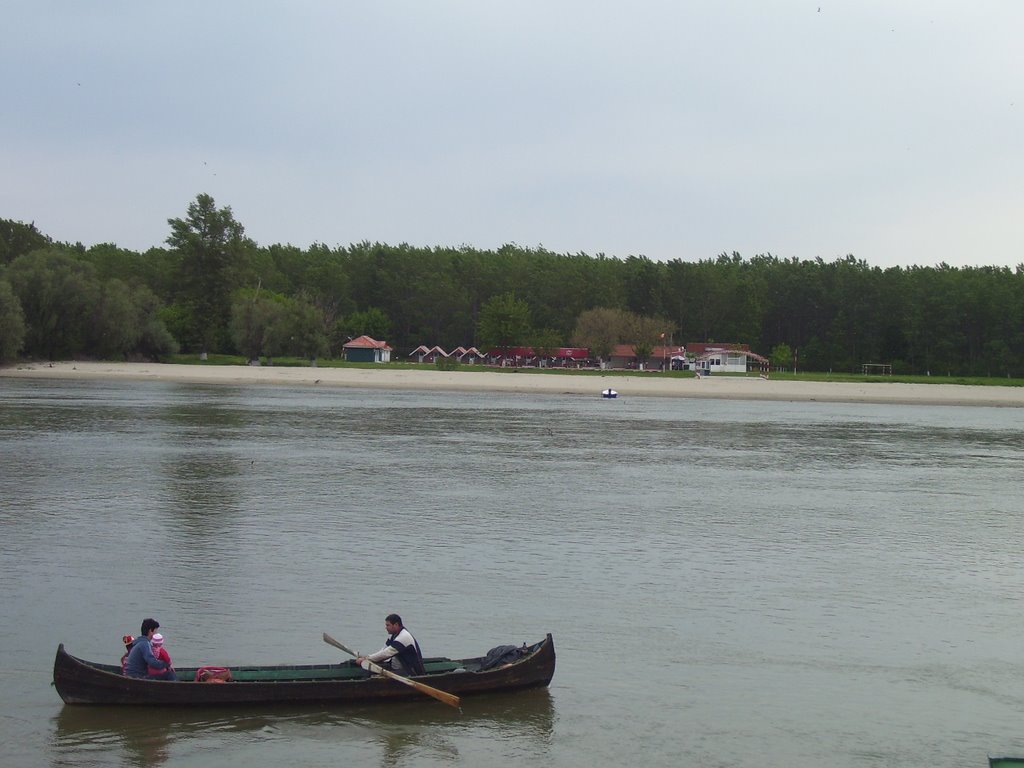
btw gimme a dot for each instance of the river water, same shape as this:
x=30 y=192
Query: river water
x=729 y=583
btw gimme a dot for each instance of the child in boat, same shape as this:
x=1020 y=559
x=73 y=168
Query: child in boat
x=127 y=640
x=161 y=653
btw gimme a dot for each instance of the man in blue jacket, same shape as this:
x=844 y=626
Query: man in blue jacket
x=141 y=659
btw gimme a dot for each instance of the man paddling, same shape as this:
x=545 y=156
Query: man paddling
x=401 y=653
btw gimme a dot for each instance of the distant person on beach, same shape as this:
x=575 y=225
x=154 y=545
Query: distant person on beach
x=401 y=653
x=141 y=659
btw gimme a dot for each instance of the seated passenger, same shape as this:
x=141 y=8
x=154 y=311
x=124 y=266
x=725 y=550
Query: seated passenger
x=127 y=640
x=161 y=653
x=141 y=659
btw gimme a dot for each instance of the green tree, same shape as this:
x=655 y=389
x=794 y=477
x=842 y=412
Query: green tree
x=125 y=322
x=504 y=323
x=12 y=323
x=114 y=330
x=111 y=261
x=160 y=270
x=267 y=323
x=795 y=305
x=710 y=284
x=180 y=323
x=645 y=281
x=781 y=356
x=370 y=322
x=600 y=329
x=642 y=350
x=325 y=282
x=257 y=318
x=470 y=271
x=69 y=311
x=17 y=239
x=545 y=344
x=308 y=338
x=213 y=248
x=644 y=333
x=57 y=294
x=645 y=330
x=155 y=341
x=279 y=334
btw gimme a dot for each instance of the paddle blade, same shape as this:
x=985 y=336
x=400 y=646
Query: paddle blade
x=443 y=696
x=331 y=641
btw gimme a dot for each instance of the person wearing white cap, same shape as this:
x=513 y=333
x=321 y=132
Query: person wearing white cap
x=161 y=653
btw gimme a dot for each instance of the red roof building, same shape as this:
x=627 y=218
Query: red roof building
x=367 y=350
x=526 y=356
x=661 y=357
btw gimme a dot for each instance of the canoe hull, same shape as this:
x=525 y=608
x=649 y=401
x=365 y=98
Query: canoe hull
x=82 y=682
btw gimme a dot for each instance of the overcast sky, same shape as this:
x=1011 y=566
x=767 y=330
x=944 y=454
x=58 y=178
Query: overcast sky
x=893 y=131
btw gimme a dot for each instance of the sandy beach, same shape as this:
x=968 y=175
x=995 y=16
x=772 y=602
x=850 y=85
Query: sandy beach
x=742 y=388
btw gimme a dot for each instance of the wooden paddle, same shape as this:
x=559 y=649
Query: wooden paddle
x=448 y=698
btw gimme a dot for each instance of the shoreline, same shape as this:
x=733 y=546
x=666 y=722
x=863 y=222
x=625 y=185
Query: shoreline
x=709 y=387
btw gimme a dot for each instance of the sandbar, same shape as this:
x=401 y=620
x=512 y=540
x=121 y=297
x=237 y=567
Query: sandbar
x=751 y=387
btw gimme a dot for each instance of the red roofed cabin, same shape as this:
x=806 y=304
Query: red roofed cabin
x=662 y=357
x=564 y=357
x=470 y=356
x=425 y=354
x=367 y=350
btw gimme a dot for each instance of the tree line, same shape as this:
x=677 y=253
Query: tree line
x=210 y=288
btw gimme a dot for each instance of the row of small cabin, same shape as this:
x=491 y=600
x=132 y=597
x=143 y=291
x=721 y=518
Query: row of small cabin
x=708 y=358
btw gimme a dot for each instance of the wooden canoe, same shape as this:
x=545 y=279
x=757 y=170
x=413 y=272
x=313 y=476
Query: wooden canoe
x=86 y=682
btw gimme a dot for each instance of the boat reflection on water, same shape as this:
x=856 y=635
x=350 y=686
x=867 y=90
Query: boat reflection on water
x=150 y=736
x=523 y=722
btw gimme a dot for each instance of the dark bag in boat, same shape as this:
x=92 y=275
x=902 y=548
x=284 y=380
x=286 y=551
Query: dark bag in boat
x=503 y=654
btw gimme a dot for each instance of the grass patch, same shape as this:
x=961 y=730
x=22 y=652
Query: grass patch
x=859 y=378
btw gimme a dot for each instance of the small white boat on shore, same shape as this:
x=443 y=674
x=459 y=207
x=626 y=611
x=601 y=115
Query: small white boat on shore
x=609 y=394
